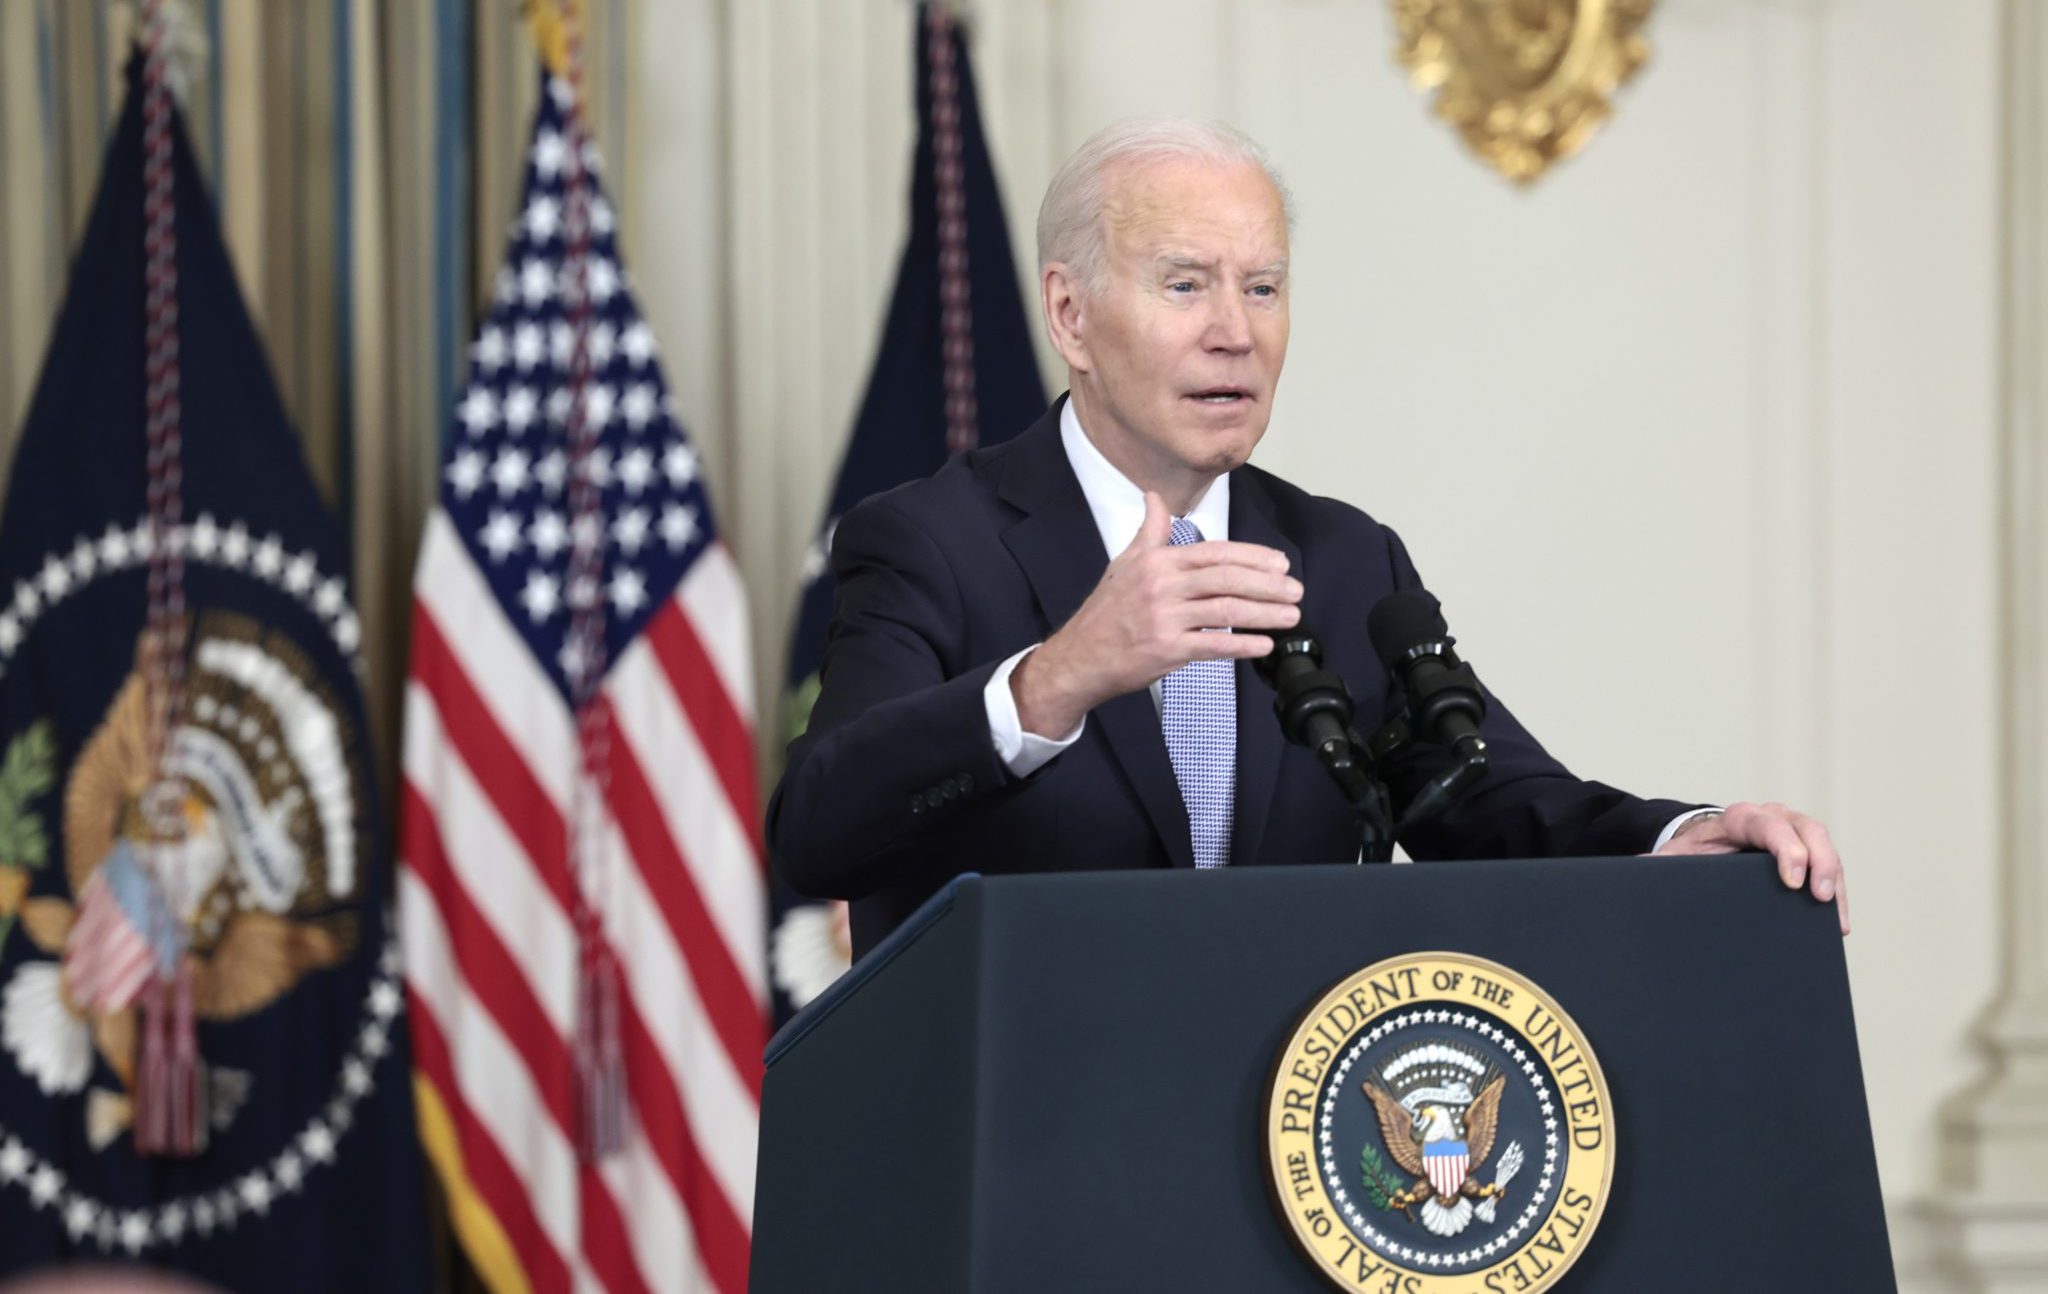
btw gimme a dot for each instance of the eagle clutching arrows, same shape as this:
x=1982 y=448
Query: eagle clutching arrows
x=1440 y=1144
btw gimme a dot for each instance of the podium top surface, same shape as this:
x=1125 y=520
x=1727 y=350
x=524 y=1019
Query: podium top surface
x=1668 y=885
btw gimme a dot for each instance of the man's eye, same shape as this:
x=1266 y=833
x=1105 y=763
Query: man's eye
x=1182 y=286
x=1265 y=290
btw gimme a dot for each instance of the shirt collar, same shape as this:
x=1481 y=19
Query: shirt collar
x=1117 y=504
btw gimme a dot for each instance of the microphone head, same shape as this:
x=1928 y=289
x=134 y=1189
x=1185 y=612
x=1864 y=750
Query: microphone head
x=1401 y=622
x=1287 y=645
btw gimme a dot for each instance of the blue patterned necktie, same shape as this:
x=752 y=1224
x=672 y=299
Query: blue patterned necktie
x=1198 y=713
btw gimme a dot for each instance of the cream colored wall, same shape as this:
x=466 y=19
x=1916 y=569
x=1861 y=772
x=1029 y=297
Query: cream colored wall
x=1695 y=439
x=672 y=175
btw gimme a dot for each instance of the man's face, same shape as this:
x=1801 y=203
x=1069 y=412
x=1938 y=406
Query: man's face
x=1176 y=356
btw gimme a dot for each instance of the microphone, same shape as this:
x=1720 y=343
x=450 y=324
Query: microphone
x=1314 y=708
x=1313 y=704
x=1445 y=704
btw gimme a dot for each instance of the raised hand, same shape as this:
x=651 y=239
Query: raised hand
x=1150 y=615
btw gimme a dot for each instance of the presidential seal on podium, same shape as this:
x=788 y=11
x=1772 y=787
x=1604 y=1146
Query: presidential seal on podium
x=1437 y=1123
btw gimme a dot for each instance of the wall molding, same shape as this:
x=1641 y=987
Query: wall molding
x=1791 y=424
x=1993 y=1216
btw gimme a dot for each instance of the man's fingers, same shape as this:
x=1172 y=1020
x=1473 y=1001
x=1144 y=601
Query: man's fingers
x=1227 y=552
x=1157 y=529
x=1698 y=843
x=1823 y=864
x=1201 y=645
x=1828 y=880
x=1767 y=828
x=1252 y=583
x=1240 y=613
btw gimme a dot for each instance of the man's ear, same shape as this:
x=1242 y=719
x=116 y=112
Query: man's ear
x=1061 y=300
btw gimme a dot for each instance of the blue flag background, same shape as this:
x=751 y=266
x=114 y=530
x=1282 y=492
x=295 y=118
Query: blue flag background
x=312 y=1178
x=900 y=434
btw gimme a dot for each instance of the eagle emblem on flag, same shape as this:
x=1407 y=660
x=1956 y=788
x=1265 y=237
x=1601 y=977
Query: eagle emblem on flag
x=271 y=781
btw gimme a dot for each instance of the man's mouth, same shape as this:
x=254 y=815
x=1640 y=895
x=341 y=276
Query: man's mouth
x=1221 y=395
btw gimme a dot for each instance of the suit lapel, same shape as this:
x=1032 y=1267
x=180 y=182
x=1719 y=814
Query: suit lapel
x=1060 y=550
x=1258 y=730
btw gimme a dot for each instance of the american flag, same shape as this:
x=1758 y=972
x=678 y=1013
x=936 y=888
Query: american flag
x=489 y=884
x=111 y=954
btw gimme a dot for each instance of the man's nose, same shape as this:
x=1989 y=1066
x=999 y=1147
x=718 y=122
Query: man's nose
x=1230 y=325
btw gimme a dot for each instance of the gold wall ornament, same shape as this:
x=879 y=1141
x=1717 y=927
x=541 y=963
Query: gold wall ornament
x=1526 y=82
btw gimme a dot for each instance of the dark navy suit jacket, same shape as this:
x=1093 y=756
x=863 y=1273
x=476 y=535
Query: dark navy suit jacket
x=896 y=787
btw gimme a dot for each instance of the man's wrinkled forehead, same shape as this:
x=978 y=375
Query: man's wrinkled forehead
x=1176 y=208
x=1172 y=260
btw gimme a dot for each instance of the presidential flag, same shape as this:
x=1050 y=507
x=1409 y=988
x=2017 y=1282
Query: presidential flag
x=205 y=1061
x=581 y=891
x=955 y=370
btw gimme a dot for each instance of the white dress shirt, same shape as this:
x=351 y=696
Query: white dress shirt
x=1118 y=507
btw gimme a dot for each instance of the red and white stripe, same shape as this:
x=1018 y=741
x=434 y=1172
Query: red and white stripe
x=487 y=918
x=1446 y=1172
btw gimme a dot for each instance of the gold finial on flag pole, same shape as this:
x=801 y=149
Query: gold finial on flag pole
x=550 y=34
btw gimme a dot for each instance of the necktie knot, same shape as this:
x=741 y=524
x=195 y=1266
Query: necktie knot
x=1185 y=532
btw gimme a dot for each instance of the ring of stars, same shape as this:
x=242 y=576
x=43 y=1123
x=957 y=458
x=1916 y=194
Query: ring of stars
x=206 y=542
x=1388 y=1246
x=107 y=1227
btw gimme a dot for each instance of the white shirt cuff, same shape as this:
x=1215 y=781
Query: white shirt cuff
x=1670 y=828
x=1023 y=753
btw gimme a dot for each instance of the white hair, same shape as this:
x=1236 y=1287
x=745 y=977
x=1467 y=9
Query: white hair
x=1070 y=223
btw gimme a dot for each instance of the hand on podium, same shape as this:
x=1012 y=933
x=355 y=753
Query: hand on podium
x=1804 y=850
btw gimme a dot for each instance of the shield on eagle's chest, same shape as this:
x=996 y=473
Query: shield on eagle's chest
x=1445 y=1163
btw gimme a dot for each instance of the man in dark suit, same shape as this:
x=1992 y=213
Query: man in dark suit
x=1001 y=694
